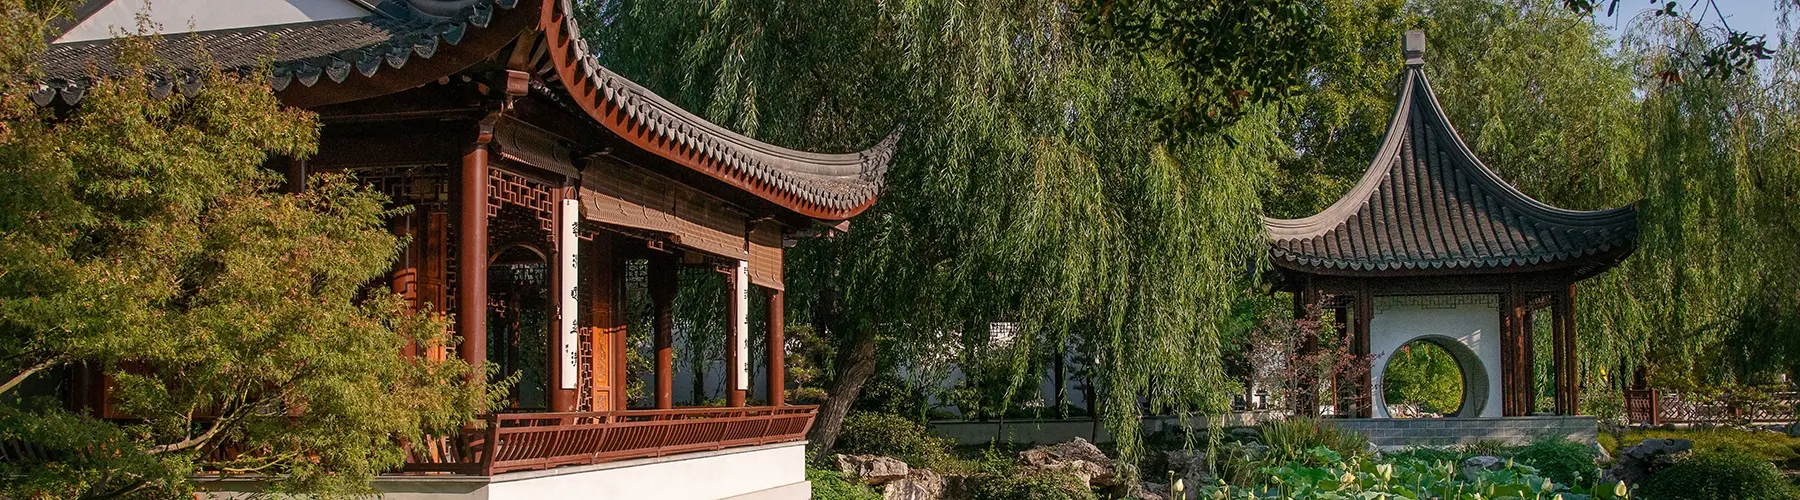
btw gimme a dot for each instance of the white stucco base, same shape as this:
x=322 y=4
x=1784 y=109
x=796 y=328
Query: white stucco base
x=1466 y=325
x=769 y=472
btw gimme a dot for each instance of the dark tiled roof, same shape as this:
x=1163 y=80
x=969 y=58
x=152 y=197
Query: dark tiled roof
x=840 y=183
x=298 y=52
x=1428 y=206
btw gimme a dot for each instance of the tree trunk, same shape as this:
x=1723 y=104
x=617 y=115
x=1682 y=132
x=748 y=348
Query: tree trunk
x=856 y=365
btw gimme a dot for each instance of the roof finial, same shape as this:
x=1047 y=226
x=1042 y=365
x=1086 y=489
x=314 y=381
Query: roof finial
x=1415 y=48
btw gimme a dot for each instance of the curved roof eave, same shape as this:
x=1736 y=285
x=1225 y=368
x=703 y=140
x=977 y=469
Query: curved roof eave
x=827 y=187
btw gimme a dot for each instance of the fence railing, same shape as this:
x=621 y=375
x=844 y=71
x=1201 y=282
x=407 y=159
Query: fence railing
x=527 y=441
x=1655 y=407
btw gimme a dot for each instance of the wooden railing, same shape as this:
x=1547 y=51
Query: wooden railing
x=527 y=441
x=1654 y=407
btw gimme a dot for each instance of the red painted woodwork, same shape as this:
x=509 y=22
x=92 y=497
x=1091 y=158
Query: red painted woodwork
x=663 y=280
x=778 y=349
x=472 y=255
x=528 y=441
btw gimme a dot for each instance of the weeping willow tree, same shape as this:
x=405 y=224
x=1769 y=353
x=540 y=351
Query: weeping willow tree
x=1712 y=297
x=1028 y=188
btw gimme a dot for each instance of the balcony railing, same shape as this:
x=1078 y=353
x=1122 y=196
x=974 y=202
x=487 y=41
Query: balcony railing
x=528 y=441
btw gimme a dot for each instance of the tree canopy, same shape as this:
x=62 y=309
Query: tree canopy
x=143 y=241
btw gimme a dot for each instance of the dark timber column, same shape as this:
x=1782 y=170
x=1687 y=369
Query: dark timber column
x=663 y=280
x=777 y=349
x=1511 y=315
x=1365 y=311
x=1528 y=363
x=296 y=176
x=1307 y=401
x=1563 y=359
x=472 y=256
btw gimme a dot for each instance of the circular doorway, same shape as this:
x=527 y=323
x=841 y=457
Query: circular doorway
x=1432 y=377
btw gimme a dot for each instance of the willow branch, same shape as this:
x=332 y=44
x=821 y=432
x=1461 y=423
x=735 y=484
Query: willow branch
x=20 y=378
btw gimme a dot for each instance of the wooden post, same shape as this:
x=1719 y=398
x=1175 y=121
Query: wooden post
x=663 y=280
x=777 y=349
x=1365 y=311
x=1563 y=360
x=1528 y=363
x=402 y=279
x=1511 y=315
x=296 y=177
x=472 y=257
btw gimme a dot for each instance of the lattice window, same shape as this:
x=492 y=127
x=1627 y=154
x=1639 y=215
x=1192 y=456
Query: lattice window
x=506 y=187
x=412 y=184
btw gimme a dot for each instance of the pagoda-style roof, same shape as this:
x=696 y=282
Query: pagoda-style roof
x=333 y=51
x=1428 y=206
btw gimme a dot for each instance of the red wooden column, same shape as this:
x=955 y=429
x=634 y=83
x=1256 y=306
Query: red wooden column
x=777 y=349
x=472 y=257
x=663 y=280
x=402 y=280
x=1528 y=392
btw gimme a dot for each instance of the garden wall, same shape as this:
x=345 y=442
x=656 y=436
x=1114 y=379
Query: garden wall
x=1400 y=433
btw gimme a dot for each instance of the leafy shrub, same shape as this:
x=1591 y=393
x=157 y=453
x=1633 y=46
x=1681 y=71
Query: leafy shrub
x=833 y=485
x=1035 y=485
x=1768 y=446
x=1405 y=478
x=1294 y=438
x=1426 y=454
x=1488 y=447
x=1719 y=475
x=892 y=435
x=1561 y=460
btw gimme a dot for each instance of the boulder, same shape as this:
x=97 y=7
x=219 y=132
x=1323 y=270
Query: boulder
x=1474 y=466
x=921 y=484
x=1793 y=430
x=1077 y=456
x=1246 y=434
x=1146 y=490
x=872 y=469
x=1189 y=465
x=1636 y=463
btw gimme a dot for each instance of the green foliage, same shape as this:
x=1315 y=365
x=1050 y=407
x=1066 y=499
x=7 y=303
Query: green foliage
x=1026 y=188
x=1768 y=446
x=1230 y=56
x=1033 y=485
x=1719 y=475
x=1404 y=478
x=1423 y=374
x=1561 y=460
x=834 y=485
x=892 y=435
x=141 y=238
x=1298 y=439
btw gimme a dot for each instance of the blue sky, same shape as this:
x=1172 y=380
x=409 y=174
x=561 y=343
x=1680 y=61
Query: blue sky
x=1753 y=16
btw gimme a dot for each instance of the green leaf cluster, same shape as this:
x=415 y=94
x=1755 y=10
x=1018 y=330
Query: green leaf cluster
x=239 y=327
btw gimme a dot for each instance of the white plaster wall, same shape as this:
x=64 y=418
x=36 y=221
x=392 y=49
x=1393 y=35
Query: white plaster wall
x=704 y=477
x=1473 y=320
x=182 y=16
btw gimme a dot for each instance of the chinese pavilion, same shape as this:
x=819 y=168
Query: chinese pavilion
x=1432 y=245
x=536 y=175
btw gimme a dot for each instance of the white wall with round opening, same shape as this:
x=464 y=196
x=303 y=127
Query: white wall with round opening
x=1467 y=327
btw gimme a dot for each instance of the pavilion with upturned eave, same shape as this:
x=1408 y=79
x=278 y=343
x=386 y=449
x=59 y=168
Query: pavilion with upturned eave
x=1431 y=245
x=538 y=180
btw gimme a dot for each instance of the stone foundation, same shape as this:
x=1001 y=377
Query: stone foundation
x=1401 y=433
